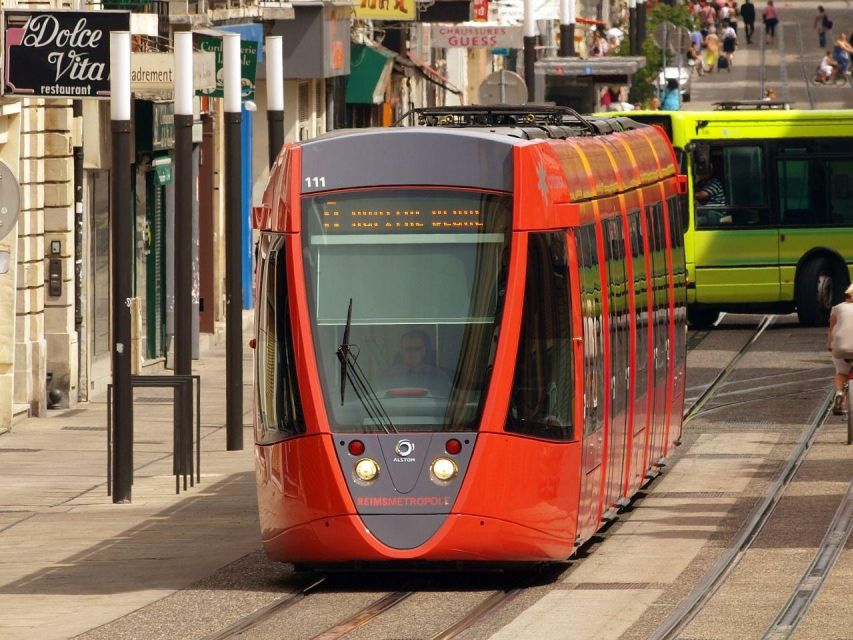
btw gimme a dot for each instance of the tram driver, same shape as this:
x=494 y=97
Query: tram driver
x=414 y=367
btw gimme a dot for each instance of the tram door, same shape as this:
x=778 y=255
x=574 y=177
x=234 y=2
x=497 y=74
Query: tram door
x=640 y=392
x=660 y=292
x=618 y=308
x=593 y=380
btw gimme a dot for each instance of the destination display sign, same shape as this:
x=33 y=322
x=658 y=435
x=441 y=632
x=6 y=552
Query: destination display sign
x=52 y=54
x=344 y=218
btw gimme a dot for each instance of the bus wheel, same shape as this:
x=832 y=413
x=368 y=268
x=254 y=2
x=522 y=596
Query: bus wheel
x=701 y=317
x=814 y=293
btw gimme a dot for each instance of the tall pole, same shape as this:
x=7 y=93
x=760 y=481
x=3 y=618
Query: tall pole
x=567 y=28
x=184 y=232
x=121 y=224
x=641 y=23
x=275 y=95
x=632 y=27
x=529 y=50
x=233 y=231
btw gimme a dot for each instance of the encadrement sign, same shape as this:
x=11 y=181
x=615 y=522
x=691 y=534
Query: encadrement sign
x=59 y=53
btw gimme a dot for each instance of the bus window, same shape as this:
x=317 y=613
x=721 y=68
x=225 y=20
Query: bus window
x=801 y=196
x=840 y=178
x=730 y=187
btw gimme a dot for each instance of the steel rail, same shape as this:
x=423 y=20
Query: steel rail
x=702 y=593
x=487 y=606
x=806 y=79
x=812 y=580
x=721 y=377
x=256 y=617
x=365 y=615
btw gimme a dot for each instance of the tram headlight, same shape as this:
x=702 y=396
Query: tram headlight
x=367 y=469
x=444 y=469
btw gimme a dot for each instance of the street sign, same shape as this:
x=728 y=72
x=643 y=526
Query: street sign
x=503 y=87
x=663 y=34
x=680 y=42
x=10 y=200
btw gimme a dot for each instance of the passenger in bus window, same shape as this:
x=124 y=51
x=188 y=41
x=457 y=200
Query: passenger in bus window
x=709 y=192
x=414 y=367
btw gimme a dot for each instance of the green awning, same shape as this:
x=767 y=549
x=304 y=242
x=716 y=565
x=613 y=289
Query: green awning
x=370 y=71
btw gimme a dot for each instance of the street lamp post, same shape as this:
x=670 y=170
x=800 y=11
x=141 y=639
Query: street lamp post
x=184 y=224
x=529 y=50
x=121 y=224
x=233 y=262
x=567 y=28
x=275 y=95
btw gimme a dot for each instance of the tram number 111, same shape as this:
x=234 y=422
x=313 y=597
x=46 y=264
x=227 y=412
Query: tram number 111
x=315 y=181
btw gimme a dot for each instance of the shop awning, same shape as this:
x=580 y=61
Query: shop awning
x=370 y=71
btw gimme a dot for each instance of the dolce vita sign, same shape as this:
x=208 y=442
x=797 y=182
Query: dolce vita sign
x=52 y=54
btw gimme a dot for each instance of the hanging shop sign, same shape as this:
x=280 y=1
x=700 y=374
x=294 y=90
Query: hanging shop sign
x=154 y=73
x=51 y=54
x=480 y=10
x=471 y=36
x=162 y=126
x=395 y=10
x=249 y=62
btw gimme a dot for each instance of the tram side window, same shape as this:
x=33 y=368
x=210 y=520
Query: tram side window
x=593 y=340
x=278 y=395
x=729 y=186
x=641 y=294
x=541 y=399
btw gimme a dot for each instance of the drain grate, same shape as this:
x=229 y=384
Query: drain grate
x=153 y=400
x=607 y=586
x=724 y=456
x=71 y=412
x=84 y=428
x=694 y=494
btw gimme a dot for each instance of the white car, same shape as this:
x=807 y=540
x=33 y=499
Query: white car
x=683 y=74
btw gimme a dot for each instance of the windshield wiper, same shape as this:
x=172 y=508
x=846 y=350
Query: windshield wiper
x=352 y=371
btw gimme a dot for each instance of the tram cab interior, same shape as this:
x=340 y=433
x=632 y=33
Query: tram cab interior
x=416 y=310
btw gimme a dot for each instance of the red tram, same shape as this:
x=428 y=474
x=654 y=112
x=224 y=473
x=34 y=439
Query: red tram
x=470 y=335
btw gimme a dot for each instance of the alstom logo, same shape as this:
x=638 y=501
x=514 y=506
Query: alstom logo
x=405 y=449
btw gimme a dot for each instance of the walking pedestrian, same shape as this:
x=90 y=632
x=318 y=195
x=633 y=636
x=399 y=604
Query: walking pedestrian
x=711 y=47
x=771 y=19
x=671 y=96
x=823 y=24
x=729 y=44
x=841 y=52
x=747 y=12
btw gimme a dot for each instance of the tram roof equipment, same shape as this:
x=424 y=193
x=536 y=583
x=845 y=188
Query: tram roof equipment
x=743 y=105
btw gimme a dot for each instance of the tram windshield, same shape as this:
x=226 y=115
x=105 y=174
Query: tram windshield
x=424 y=271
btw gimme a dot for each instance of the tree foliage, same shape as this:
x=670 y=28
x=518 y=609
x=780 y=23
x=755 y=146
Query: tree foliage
x=643 y=87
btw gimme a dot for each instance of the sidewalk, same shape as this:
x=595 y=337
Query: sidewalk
x=71 y=560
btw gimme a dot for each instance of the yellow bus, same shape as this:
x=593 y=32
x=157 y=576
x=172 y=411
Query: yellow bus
x=771 y=208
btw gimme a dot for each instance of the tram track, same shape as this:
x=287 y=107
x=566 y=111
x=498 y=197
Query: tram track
x=709 y=391
x=678 y=620
x=379 y=606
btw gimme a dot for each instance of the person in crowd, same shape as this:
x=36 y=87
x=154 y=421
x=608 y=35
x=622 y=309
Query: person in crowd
x=823 y=24
x=841 y=53
x=826 y=68
x=670 y=99
x=711 y=47
x=839 y=341
x=747 y=13
x=771 y=94
x=771 y=19
x=729 y=44
x=694 y=60
x=611 y=98
x=696 y=38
